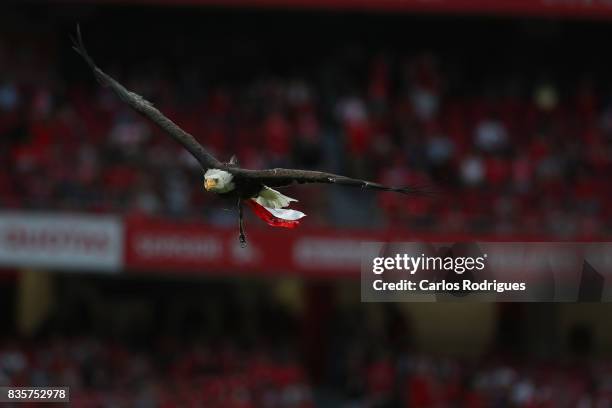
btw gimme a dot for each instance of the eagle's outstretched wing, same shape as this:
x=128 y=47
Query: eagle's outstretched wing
x=285 y=177
x=147 y=109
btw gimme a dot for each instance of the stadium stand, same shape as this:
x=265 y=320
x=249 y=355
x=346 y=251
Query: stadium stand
x=516 y=139
x=518 y=154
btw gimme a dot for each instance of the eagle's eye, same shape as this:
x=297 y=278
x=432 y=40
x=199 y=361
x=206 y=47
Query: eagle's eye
x=216 y=180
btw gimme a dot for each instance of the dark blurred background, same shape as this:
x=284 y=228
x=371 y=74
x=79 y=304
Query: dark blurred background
x=122 y=279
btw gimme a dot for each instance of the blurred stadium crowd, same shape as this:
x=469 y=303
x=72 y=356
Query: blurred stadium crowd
x=517 y=156
x=513 y=154
x=106 y=373
x=169 y=374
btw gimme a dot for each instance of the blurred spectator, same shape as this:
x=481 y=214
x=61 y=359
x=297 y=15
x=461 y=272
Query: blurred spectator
x=70 y=146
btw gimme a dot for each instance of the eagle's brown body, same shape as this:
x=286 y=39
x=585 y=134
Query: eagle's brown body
x=248 y=183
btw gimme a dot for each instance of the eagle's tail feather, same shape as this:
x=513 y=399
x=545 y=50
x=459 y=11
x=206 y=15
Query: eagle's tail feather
x=270 y=198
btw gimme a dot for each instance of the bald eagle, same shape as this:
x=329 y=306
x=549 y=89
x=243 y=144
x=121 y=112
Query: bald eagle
x=251 y=187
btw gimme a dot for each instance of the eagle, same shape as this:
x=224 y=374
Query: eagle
x=254 y=188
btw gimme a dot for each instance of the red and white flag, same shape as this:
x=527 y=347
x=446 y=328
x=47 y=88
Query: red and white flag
x=276 y=217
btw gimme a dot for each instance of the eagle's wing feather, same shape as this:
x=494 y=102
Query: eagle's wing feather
x=285 y=177
x=147 y=109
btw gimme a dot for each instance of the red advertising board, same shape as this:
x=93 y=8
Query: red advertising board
x=197 y=248
x=179 y=247
x=144 y=245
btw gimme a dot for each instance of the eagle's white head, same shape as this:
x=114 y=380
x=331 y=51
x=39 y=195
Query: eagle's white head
x=218 y=181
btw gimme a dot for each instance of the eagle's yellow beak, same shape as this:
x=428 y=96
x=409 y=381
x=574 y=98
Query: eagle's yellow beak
x=209 y=184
